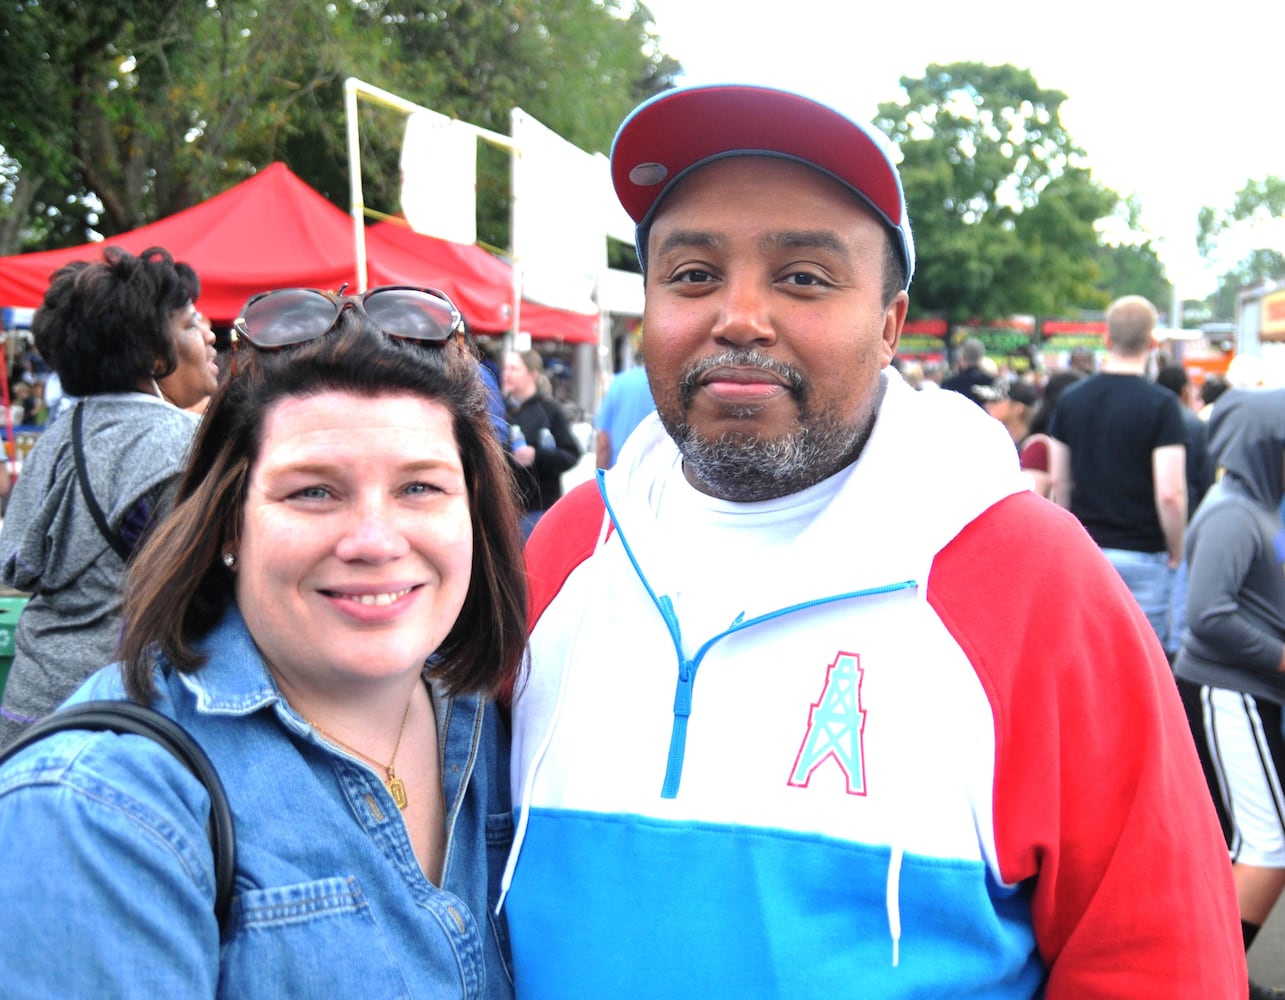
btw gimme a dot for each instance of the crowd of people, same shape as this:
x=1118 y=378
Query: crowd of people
x=457 y=714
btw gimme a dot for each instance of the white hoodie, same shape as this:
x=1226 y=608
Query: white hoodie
x=764 y=749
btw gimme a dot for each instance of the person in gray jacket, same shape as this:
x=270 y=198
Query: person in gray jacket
x=1232 y=661
x=125 y=338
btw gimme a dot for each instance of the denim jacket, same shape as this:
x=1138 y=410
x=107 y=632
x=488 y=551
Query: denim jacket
x=107 y=873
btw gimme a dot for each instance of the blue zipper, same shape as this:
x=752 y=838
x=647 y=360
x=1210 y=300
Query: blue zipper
x=687 y=667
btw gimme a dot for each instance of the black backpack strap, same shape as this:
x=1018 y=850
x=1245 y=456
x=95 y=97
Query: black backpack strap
x=78 y=446
x=129 y=717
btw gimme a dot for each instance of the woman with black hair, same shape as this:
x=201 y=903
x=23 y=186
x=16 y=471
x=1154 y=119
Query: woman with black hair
x=125 y=338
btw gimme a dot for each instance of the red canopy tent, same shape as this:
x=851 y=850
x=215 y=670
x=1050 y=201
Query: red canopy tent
x=270 y=231
x=274 y=231
x=480 y=284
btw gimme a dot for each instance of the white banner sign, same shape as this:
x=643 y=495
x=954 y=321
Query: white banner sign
x=439 y=177
x=559 y=235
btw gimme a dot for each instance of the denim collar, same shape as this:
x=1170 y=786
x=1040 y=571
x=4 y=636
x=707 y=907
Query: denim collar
x=234 y=679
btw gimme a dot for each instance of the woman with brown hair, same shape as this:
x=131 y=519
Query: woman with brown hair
x=329 y=611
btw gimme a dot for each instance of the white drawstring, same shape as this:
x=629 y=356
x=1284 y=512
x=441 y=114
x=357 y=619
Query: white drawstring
x=893 y=901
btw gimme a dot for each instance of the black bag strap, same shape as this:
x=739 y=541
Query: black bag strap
x=139 y=720
x=122 y=547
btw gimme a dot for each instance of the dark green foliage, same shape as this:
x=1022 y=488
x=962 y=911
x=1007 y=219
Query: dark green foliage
x=120 y=112
x=1260 y=267
x=1002 y=203
x=1257 y=201
x=1131 y=269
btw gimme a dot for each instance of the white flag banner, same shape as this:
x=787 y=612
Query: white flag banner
x=559 y=234
x=616 y=221
x=621 y=292
x=439 y=177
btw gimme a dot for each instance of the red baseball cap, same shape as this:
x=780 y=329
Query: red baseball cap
x=675 y=132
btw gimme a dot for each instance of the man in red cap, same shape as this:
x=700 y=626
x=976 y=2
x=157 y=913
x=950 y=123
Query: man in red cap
x=799 y=721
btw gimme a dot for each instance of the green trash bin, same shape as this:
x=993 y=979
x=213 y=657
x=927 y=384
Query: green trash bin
x=11 y=606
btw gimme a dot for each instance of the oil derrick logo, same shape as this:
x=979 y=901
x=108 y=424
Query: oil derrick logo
x=835 y=725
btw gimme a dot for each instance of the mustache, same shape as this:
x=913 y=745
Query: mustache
x=691 y=377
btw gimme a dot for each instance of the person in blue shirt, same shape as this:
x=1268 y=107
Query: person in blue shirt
x=495 y=405
x=329 y=611
x=624 y=406
x=499 y=409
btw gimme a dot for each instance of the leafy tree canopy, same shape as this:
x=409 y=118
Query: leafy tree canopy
x=1257 y=201
x=1002 y=203
x=120 y=112
x=1133 y=269
x=1260 y=267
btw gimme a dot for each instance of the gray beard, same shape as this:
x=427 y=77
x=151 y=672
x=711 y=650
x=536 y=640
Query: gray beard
x=745 y=468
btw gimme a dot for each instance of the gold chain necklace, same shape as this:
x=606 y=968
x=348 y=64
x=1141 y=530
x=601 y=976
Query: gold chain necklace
x=393 y=783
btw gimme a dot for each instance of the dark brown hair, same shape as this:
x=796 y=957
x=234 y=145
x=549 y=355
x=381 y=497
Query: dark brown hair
x=178 y=588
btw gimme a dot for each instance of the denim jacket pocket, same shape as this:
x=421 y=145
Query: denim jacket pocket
x=274 y=931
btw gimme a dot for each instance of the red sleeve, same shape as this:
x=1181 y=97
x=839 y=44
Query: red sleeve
x=563 y=538
x=1100 y=803
x=1035 y=453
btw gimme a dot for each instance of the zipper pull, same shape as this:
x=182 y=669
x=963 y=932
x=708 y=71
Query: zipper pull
x=678 y=737
x=683 y=693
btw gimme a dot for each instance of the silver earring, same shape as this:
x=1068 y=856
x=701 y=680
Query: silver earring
x=229 y=560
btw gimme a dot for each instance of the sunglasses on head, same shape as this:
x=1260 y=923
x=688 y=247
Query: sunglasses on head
x=289 y=316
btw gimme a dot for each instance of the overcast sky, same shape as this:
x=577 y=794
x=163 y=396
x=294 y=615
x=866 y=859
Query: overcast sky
x=1178 y=107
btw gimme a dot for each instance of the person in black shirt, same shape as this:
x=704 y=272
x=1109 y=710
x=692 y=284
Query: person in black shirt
x=1119 y=461
x=972 y=373
x=543 y=446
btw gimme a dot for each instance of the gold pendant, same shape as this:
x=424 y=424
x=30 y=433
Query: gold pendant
x=397 y=790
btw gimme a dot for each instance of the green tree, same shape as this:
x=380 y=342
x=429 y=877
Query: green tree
x=1257 y=201
x=1127 y=257
x=135 y=109
x=1002 y=203
x=124 y=111
x=578 y=66
x=1260 y=267
x=1132 y=269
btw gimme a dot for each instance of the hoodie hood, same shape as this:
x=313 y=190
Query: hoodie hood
x=1247 y=436
x=920 y=440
